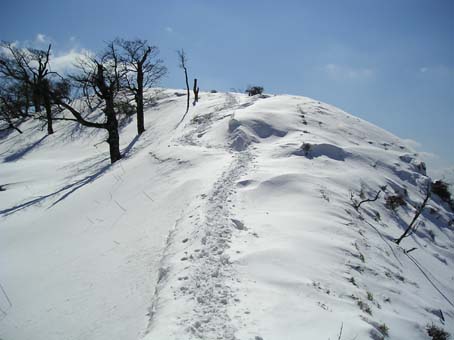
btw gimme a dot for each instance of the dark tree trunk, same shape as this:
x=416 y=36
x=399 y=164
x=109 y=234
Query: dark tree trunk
x=37 y=105
x=37 y=101
x=139 y=102
x=187 y=89
x=27 y=101
x=50 y=129
x=112 y=129
x=114 y=145
x=48 y=107
x=196 y=92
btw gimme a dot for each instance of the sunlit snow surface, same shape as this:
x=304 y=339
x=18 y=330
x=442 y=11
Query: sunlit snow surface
x=237 y=223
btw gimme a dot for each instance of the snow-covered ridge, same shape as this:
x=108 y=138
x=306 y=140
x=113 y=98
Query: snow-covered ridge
x=236 y=224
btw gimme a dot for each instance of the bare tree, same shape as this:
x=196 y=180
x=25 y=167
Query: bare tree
x=182 y=59
x=143 y=69
x=29 y=68
x=98 y=79
x=419 y=209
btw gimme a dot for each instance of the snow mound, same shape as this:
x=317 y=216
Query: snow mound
x=262 y=129
x=318 y=150
x=240 y=139
x=244 y=132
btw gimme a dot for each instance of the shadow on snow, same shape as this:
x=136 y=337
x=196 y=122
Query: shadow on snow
x=21 y=153
x=66 y=191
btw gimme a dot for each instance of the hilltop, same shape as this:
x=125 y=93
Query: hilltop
x=240 y=222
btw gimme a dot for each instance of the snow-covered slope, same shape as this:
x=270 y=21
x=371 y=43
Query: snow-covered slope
x=236 y=224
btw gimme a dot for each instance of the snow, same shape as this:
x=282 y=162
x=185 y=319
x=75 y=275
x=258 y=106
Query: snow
x=237 y=223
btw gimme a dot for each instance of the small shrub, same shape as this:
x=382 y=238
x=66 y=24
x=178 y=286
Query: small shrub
x=437 y=333
x=306 y=147
x=394 y=201
x=384 y=329
x=404 y=192
x=431 y=234
x=364 y=307
x=441 y=189
x=254 y=90
x=377 y=216
x=362 y=193
x=324 y=195
x=370 y=296
x=361 y=257
x=213 y=91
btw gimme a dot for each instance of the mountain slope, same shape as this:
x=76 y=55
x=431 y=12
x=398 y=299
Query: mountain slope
x=236 y=224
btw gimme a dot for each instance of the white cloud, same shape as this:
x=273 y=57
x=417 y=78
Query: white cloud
x=61 y=61
x=41 y=38
x=423 y=69
x=65 y=62
x=169 y=29
x=348 y=72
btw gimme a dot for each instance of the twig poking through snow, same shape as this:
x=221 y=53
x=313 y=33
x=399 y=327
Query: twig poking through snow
x=148 y=196
x=377 y=195
x=340 y=333
x=120 y=206
x=6 y=295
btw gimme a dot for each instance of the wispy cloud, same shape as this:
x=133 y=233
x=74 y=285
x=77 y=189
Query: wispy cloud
x=411 y=143
x=437 y=70
x=169 y=29
x=348 y=72
x=42 y=38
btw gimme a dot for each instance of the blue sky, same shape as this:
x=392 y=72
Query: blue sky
x=388 y=61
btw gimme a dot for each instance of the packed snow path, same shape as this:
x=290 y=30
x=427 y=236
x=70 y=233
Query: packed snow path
x=206 y=281
x=211 y=272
